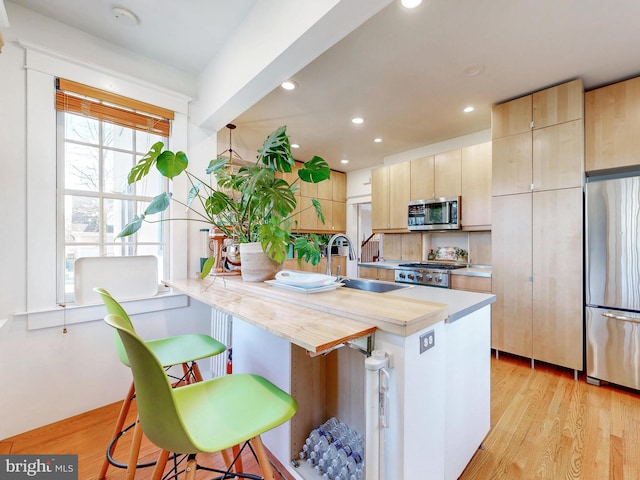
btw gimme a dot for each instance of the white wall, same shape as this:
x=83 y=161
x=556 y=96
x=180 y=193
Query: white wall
x=48 y=375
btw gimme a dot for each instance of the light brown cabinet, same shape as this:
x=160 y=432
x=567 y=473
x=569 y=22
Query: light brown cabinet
x=331 y=194
x=537 y=226
x=390 y=191
x=511 y=251
x=557 y=277
x=447 y=174
x=386 y=274
x=612 y=126
x=476 y=186
x=422 y=178
x=471 y=283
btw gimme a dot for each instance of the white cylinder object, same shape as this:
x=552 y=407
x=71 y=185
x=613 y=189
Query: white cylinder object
x=373 y=364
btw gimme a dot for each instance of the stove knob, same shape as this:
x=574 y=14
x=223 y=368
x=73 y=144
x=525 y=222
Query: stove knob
x=410 y=276
x=428 y=278
x=439 y=279
x=402 y=275
x=418 y=276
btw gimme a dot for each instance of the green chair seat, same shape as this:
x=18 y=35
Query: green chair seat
x=207 y=416
x=184 y=348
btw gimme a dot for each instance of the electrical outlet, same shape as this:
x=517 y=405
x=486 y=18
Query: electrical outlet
x=427 y=340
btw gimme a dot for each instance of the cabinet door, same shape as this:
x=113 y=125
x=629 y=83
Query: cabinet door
x=422 y=178
x=447 y=168
x=307 y=219
x=511 y=329
x=339 y=186
x=338 y=217
x=380 y=198
x=511 y=164
x=476 y=185
x=557 y=277
x=511 y=118
x=558 y=156
x=612 y=125
x=471 y=284
x=325 y=189
x=399 y=184
x=559 y=104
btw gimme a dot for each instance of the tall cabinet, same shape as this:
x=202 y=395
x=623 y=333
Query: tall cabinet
x=537 y=211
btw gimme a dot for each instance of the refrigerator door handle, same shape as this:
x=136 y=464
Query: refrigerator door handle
x=621 y=317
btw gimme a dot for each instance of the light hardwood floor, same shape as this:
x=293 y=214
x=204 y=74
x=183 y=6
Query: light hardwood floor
x=545 y=425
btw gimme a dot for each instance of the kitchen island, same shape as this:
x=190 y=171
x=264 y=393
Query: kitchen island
x=436 y=393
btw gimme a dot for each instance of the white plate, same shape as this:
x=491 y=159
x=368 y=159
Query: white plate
x=301 y=279
x=304 y=288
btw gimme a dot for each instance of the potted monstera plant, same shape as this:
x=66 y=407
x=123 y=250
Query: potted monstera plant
x=255 y=206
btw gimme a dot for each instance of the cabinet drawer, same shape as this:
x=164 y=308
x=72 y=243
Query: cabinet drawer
x=473 y=284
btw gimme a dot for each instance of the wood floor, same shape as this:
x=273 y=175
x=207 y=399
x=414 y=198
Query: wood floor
x=545 y=425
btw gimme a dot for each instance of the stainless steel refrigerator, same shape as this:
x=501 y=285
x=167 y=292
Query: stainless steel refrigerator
x=612 y=312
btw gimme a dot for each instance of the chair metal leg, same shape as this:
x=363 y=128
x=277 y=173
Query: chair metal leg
x=134 y=451
x=122 y=416
x=160 y=465
x=263 y=459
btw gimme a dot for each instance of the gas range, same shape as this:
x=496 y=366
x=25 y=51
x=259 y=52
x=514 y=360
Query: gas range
x=432 y=273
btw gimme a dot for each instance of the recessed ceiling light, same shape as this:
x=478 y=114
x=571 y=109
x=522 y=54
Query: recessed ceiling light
x=344 y=160
x=410 y=3
x=295 y=145
x=468 y=109
x=125 y=16
x=377 y=140
x=357 y=120
x=473 y=70
x=289 y=85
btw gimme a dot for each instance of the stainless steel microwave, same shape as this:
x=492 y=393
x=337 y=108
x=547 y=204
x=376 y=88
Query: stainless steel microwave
x=435 y=214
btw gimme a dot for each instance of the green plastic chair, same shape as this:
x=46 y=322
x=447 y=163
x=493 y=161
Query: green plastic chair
x=204 y=417
x=176 y=350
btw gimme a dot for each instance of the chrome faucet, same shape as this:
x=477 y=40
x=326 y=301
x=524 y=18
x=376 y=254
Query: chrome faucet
x=330 y=244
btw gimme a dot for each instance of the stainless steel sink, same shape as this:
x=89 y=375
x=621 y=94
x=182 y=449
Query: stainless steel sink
x=370 y=285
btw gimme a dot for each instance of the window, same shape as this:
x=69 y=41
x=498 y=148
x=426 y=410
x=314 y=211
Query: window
x=100 y=137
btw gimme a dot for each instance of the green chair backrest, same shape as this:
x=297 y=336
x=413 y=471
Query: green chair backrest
x=114 y=308
x=161 y=422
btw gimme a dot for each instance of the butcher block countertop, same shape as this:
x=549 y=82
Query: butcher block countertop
x=316 y=322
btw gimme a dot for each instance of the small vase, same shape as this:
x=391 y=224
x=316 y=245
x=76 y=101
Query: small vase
x=256 y=265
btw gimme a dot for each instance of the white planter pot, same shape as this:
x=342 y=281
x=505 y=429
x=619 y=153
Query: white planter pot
x=256 y=265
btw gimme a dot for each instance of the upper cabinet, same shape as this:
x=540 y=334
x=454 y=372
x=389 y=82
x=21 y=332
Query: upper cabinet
x=422 y=178
x=390 y=194
x=549 y=153
x=511 y=118
x=612 y=126
x=559 y=104
x=332 y=195
x=447 y=171
x=475 y=187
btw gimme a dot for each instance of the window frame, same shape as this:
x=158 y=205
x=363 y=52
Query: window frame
x=42 y=67
x=101 y=195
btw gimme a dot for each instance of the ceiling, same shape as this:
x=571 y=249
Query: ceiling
x=403 y=71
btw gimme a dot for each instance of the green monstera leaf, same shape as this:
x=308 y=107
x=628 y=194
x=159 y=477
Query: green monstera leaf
x=276 y=151
x=315 y=170
x=132 y=227
x=171 y=164
x=144 y=165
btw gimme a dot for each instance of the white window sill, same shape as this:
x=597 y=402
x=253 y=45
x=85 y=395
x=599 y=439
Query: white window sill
x=73 y=314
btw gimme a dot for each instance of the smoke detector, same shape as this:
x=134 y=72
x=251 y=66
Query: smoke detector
x=125 y=16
